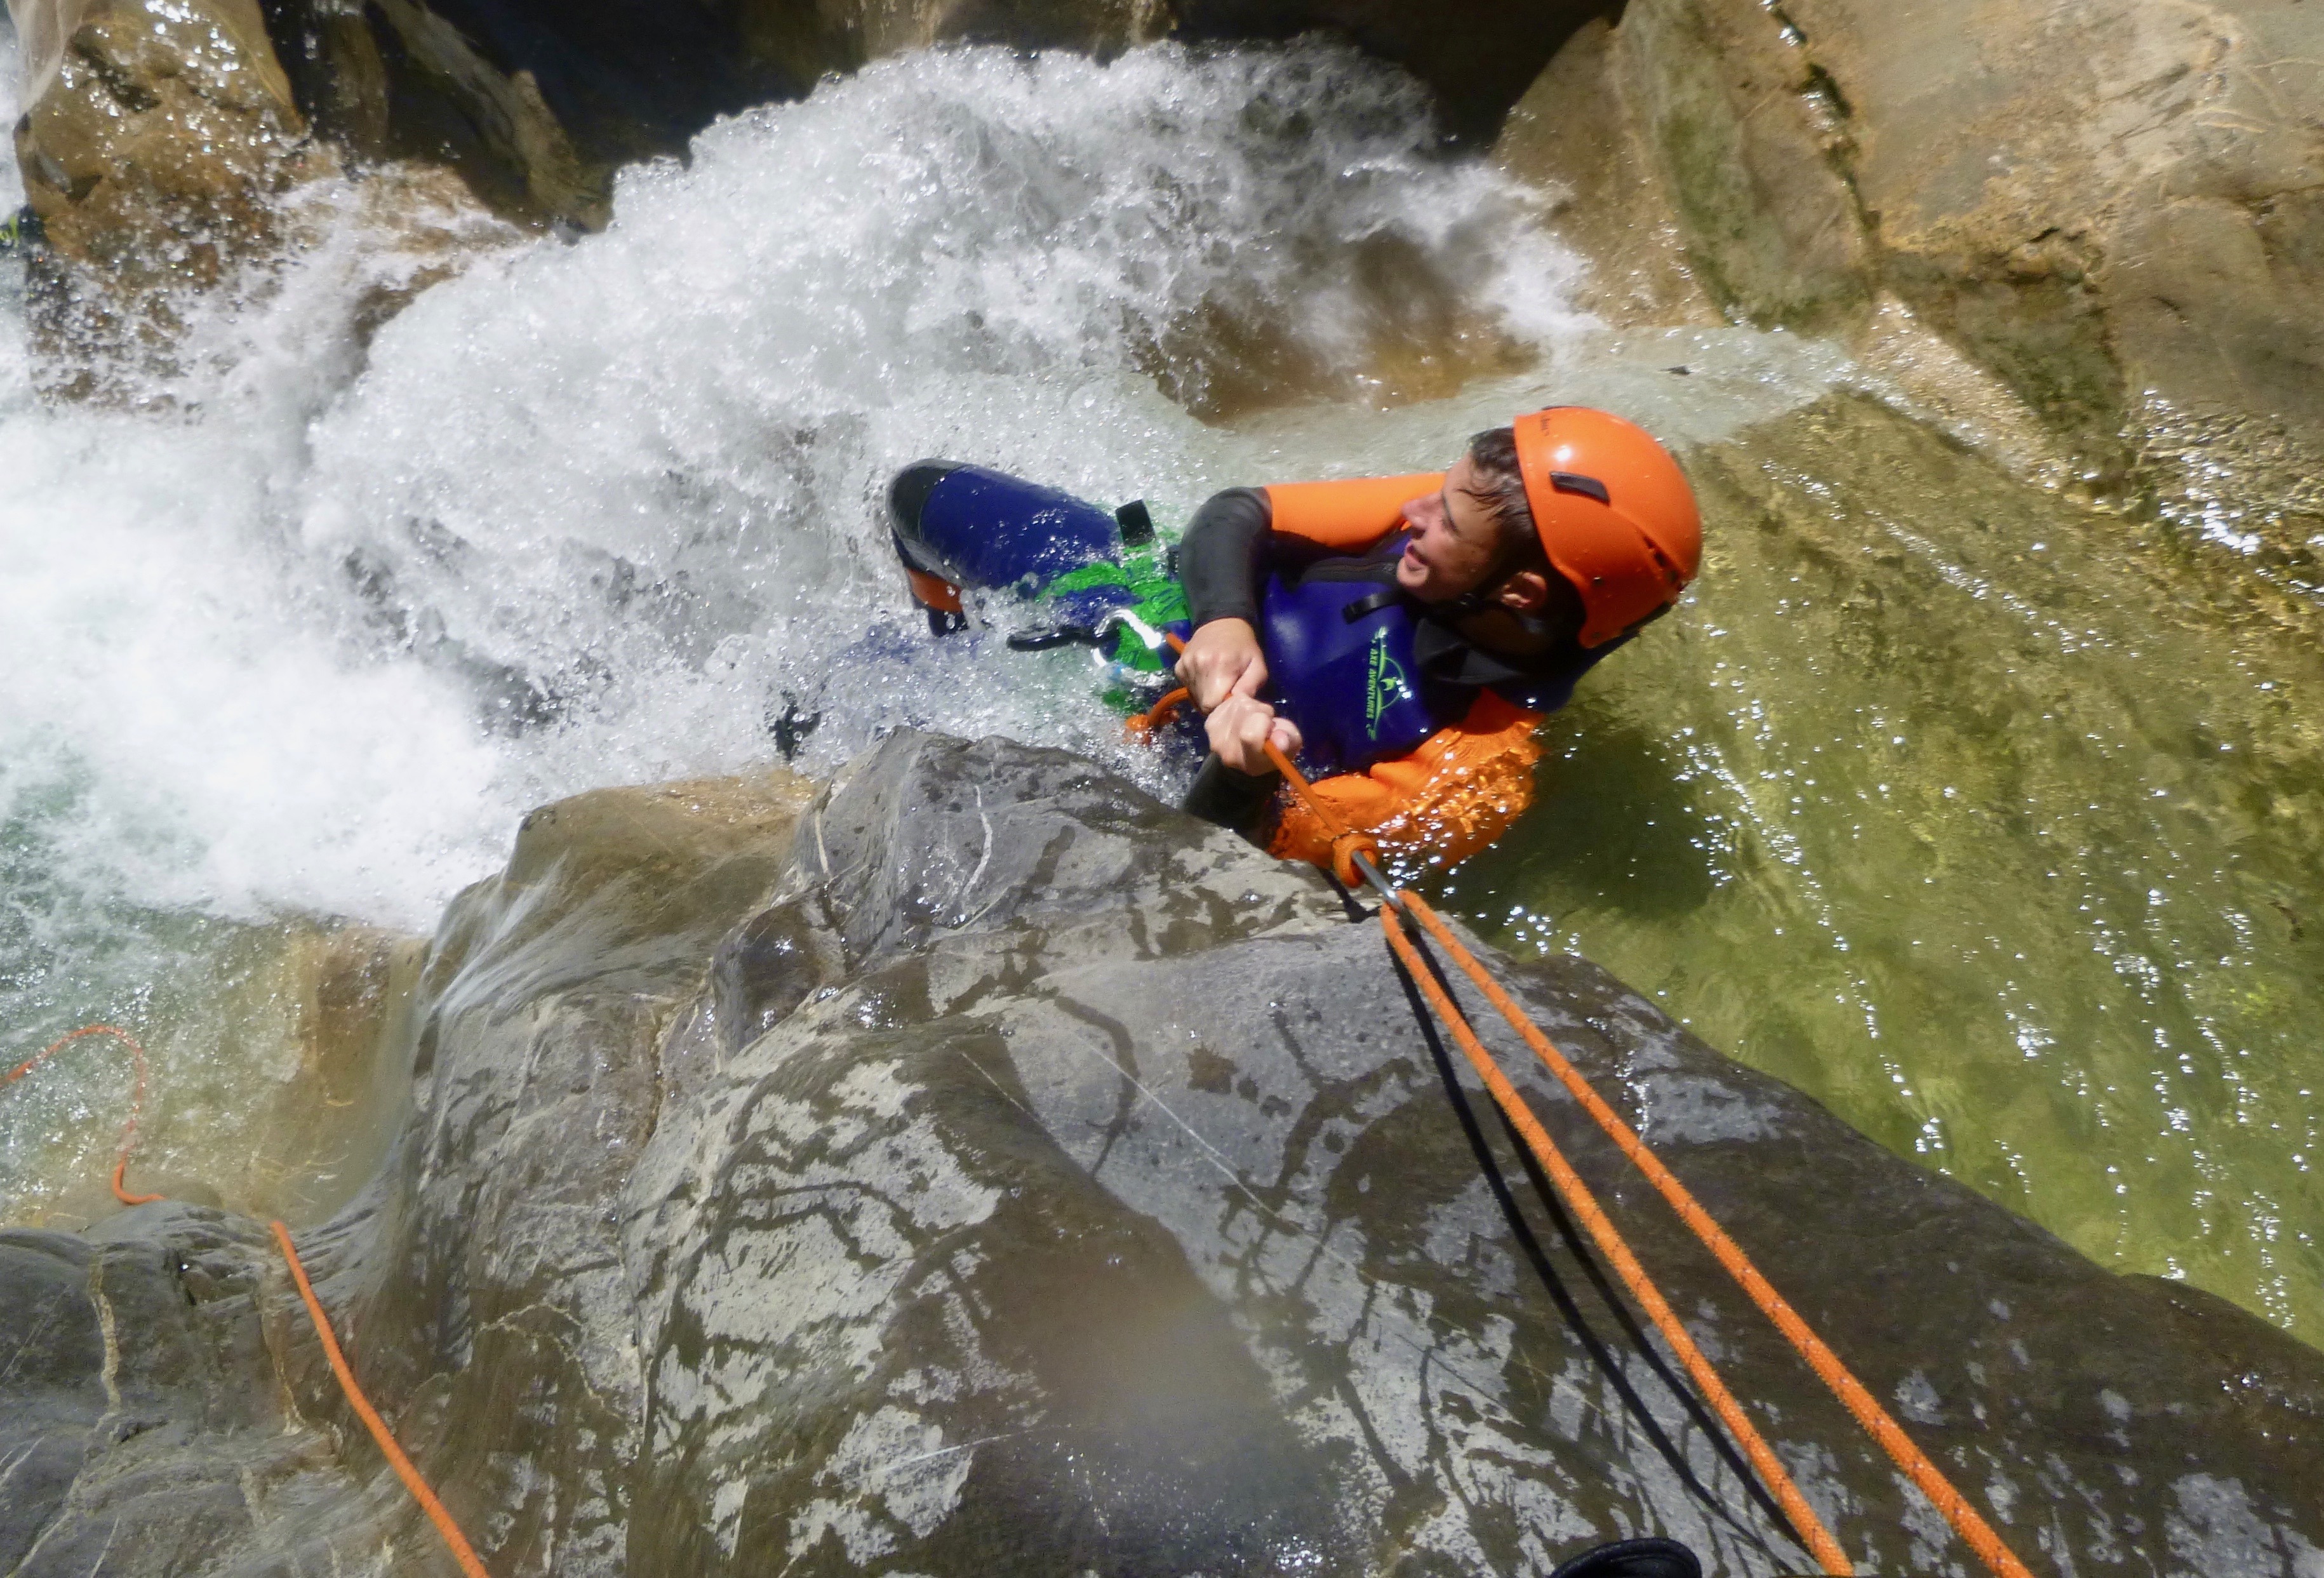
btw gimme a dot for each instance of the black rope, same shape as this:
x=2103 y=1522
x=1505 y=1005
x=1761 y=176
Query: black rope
x=1600 y=1352
x=1582 y=1250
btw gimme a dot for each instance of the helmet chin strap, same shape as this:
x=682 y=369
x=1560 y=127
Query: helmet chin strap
x=1533 y=626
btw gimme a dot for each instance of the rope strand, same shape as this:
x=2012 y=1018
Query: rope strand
x=1349 y=849
x=1813 y=1534
x=1931 y=1480
x=412 y=1481
x=419 y=1487
x=136 y=1099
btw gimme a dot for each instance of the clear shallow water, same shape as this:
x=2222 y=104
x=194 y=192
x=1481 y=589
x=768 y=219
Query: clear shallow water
x=1984 y=827
x=307 y=637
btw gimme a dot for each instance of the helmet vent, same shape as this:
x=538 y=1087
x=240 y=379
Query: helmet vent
x=1574 y=482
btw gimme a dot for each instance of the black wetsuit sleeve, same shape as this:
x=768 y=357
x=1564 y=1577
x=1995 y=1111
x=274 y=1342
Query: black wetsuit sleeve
x=1233 y=800
x=1223 y=560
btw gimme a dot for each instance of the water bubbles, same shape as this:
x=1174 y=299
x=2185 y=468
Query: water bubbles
x=330 y=619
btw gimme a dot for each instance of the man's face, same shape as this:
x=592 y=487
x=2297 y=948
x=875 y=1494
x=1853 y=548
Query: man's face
x=1455 y=541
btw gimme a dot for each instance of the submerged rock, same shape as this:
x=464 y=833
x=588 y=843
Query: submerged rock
x=980 y=1167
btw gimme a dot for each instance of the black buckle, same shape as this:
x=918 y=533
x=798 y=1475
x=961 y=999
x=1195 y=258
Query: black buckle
x=1059 y=636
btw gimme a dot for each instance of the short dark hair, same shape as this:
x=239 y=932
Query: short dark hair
x=1499 y=486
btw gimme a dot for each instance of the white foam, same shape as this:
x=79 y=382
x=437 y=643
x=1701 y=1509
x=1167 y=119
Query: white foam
x=309 y=630
x=259 y=639
x=663 y=519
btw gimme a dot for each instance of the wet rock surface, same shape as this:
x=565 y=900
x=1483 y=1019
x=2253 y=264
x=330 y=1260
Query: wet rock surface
x=979 y=1166
x=143 y=1427
x=154 y=138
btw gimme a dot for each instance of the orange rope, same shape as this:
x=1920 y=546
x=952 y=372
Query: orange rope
x=412 y=1483
x=1141 y=725
x=1347 y=842
x=1818 y=1539
x=1932 y=1481
x=136 y=1100
x=1301 y=786
x=1827 y=1364
x=461 y=1553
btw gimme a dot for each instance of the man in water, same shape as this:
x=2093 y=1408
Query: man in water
x=1400 y=636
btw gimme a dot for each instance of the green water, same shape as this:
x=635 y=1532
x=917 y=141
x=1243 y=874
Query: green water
x=1992 y=823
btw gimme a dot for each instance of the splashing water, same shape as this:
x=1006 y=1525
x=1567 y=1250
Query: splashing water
x=311 y=639
x=1028 y=253
x=310 y=636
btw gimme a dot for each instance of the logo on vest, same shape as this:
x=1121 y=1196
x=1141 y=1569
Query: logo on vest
x=1386 y=686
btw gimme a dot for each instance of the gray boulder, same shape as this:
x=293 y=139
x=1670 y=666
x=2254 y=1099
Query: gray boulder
x=144 y=1427
x=981 y=1166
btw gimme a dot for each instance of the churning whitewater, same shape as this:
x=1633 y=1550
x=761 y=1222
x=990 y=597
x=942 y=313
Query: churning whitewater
x=313 y=625
x=306 y=623
x=434 y=521
x=317 y=628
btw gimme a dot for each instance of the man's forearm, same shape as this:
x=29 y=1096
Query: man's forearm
x=1222 y=561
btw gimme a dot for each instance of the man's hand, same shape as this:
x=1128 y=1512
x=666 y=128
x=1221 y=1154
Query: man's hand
x=1239 y=728
x=1221 y=660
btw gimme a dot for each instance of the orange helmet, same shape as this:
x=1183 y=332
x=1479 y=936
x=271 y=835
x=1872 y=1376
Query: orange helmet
x=1614 y=511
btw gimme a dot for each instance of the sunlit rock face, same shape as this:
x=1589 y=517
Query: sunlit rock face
x=979 y=1166
x=2112 y=209
x=156 y=136
x=2108 y=213
x=151 y=132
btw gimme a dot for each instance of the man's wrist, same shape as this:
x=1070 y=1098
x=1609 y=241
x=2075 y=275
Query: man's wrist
x=1232 y=799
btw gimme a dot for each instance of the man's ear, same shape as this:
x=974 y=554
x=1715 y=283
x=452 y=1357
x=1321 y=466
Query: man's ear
x=1526 y=592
